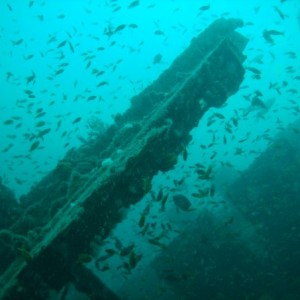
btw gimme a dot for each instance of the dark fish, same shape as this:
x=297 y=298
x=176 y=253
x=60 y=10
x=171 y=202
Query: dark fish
x=291 y=54
x=205 y=175
x=8 y=122
x=182 y=202
x=256 y=101
x=126 y=250
x=99 y=73
x=71 y=47
x=88 y=64
x=142 y=220
x=104 y=268
x=76 y=120
x=108 y=31
x=292 y=91
x=110 y=251
x=102 y=83
x=116 y=9
x=84 y=258
x=34 y=145
x=218 y=115
x=43 y=132
x=134 y=259
x=234 y=121
x=61 y=44
x=253 y=70
x=229 y=221
x=8 y=75
x=238 y=151
x=159 y=32
x=19 y=181
x=204 y=7
x=163 y=202
x=134 y=4
x=11 y=136
x=119 y=28
x=280 y=13
x=59 y=71
x=210 y=122
x=268 y=37
x=41 y=114
x=157 y=59
x=118 y=244
x=156 y=242
x=40 y=124
x=179 y=182
x=160 y=195
x=201 y=193
x=184 y=154
x=30 y=78
x=267 y=34
x=89 y=57
x=275 y=32
x=8 y=147
x=28 y=56
x=64 y=64
x=91 y=98
x=145 y=229
x=103 y=258
x=18 y=42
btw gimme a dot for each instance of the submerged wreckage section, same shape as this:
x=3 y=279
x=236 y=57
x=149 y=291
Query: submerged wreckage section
x=50 y=241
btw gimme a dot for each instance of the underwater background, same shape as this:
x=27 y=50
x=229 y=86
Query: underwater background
x=70 y=68
x=64 y=45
